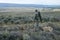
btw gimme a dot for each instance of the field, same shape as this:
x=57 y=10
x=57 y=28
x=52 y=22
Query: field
x=19 y=24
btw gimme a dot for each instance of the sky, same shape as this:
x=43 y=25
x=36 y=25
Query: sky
x=44 y=2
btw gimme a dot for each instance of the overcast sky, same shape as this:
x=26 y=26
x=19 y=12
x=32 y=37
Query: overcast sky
x=44 y=2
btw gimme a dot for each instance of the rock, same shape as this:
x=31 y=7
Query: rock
x=48 y=29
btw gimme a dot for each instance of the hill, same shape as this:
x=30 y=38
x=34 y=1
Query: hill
x=28 y=5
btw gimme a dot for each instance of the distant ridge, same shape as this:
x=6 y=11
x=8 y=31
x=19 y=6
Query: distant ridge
x=28 y=5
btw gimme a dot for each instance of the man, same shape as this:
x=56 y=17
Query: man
x=37 y=19
x=37 y=16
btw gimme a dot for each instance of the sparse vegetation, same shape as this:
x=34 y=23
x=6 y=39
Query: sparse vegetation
x=14 y=26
